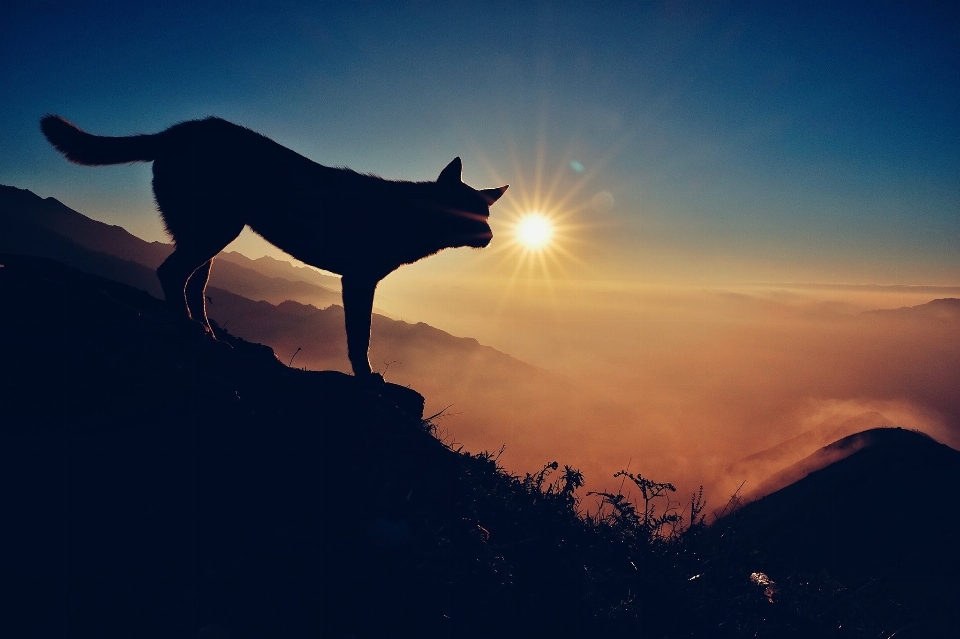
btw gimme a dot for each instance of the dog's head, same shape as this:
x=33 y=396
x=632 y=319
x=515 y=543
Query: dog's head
x=465 y=209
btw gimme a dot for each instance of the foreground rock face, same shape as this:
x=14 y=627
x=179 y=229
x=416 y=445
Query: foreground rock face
x=157 y=481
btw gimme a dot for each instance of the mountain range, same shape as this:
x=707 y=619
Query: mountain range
x=49 y=228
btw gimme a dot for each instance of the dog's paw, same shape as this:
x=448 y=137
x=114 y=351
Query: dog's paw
x=372 y=381
x=194 y=330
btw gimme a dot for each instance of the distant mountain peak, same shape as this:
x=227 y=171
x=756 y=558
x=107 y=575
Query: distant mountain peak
x=884 y=485
x=946 y=309
x=836 y=451
x=758 y=468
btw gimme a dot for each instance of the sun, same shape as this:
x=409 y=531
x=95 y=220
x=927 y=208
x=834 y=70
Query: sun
x=534 y=231
x=544 y=226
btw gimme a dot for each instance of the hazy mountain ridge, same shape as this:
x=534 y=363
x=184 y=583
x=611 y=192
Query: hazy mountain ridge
x=454 y=373
x=23 y=237
x=52 y=215
x=272 y=267
x=827 y=455
x=757 y=470
x=944 y=309
x=265 y=278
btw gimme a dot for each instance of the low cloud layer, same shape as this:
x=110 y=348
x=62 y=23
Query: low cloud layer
x=676 y=383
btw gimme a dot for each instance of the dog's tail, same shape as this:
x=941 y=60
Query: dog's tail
x=97 y=150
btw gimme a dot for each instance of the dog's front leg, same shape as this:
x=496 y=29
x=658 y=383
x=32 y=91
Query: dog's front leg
x=357 y=310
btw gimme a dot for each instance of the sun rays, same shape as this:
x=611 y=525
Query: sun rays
x=558 y=206
x=541 y=229
x=542 y=225
x=548 y=226
x=537 y=240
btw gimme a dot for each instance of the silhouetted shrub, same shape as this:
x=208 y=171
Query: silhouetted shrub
x=518 y=557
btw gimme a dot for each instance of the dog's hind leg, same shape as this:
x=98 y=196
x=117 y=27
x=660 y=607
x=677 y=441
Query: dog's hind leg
x=189 y=262
x=194 y=293
x=174 y=273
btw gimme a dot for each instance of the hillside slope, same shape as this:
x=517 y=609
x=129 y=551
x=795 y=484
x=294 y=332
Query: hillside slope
x=879 y=515
x=893 y=490
x=758 y=470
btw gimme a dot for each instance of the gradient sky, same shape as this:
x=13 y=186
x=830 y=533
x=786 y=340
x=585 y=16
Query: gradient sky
x=740 y=142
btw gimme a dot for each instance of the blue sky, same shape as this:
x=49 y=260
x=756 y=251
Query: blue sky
x=744 y=141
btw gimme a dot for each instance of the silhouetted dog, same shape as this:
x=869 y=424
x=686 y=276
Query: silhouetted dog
x=211 y=178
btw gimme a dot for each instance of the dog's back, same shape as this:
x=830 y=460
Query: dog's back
x=211 y=178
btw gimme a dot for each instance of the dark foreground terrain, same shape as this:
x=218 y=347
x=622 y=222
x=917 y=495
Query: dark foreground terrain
x=156 y=483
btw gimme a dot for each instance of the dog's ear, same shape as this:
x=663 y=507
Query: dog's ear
x=451 y=174
x=492 y=195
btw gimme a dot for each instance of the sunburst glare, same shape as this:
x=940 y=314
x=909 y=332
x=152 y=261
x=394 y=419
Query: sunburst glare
x=544 y=226
x=534 y=231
